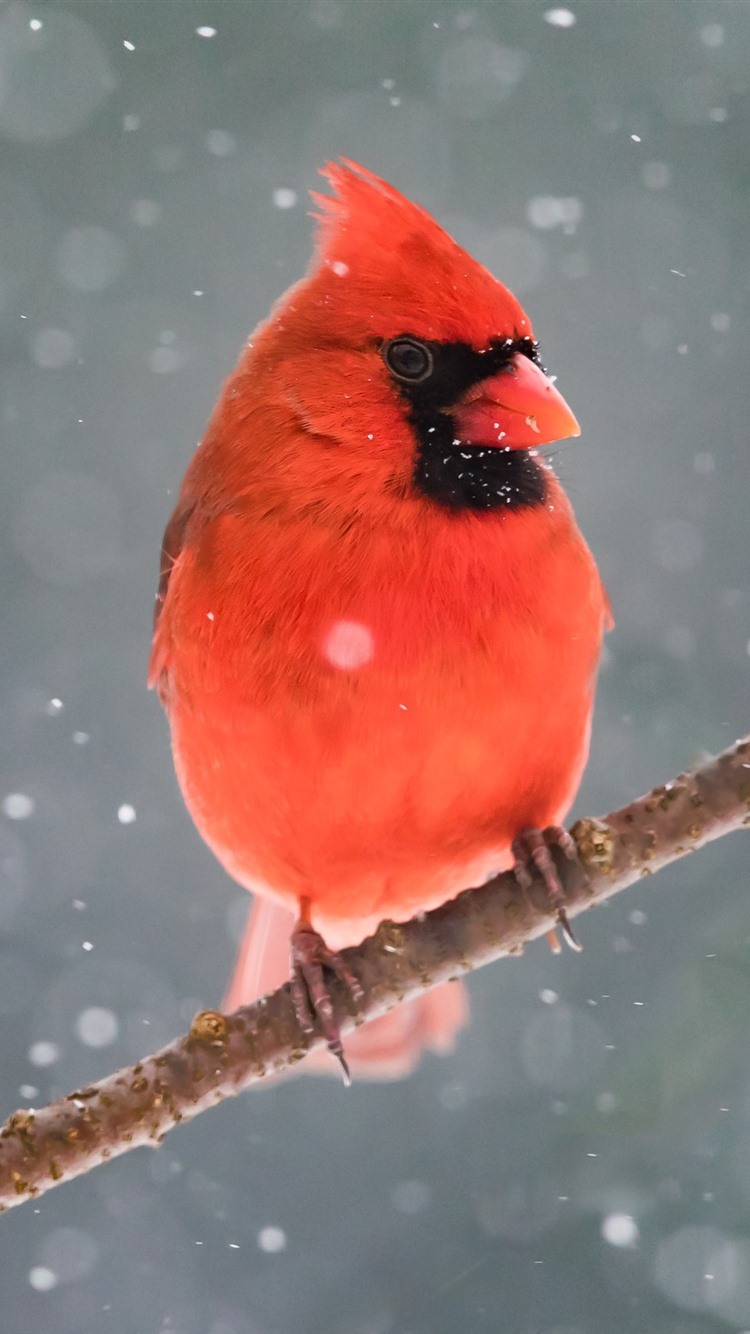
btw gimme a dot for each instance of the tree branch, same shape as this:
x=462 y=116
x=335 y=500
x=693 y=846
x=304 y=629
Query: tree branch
x=221 y=1056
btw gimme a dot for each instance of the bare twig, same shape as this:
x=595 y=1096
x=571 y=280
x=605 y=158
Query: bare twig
x=221 y=1055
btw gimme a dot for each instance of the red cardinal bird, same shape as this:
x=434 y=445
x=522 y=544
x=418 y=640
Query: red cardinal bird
x=378 y=625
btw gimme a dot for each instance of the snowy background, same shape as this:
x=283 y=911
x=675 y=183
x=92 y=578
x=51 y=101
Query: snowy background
x=581 y=1165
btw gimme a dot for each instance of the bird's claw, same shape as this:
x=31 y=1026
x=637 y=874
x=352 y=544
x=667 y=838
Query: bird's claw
x=313 y=1004
x=531 y=855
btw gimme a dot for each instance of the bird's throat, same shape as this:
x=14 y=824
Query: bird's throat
x=460 y=476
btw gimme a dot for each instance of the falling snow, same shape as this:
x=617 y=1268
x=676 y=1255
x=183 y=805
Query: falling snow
x=284 y=198
x=560 y=17
x=272 y=1240
x=349 y=645
x=18 y=806
x=620 y=1230
x=43 y=1053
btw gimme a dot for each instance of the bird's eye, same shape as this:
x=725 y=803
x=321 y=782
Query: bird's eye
x=408 y=359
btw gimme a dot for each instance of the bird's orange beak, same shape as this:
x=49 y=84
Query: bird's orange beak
x=516 y=409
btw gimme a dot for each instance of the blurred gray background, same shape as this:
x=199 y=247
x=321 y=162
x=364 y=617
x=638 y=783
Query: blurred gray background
x=581 y=1164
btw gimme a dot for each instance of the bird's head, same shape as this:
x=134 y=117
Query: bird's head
x=408 y=354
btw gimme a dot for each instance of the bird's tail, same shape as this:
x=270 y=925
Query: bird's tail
x=386 y=1048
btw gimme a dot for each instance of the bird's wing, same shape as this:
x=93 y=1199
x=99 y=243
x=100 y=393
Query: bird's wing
x=171 y=550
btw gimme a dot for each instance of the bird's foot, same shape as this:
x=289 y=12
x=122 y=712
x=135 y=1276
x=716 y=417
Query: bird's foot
x=531 y=856
x=311 y=959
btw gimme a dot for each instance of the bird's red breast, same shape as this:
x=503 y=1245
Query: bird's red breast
x=378 y=624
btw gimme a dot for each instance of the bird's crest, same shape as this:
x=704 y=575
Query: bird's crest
x=399 y=259
x=367 y=206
